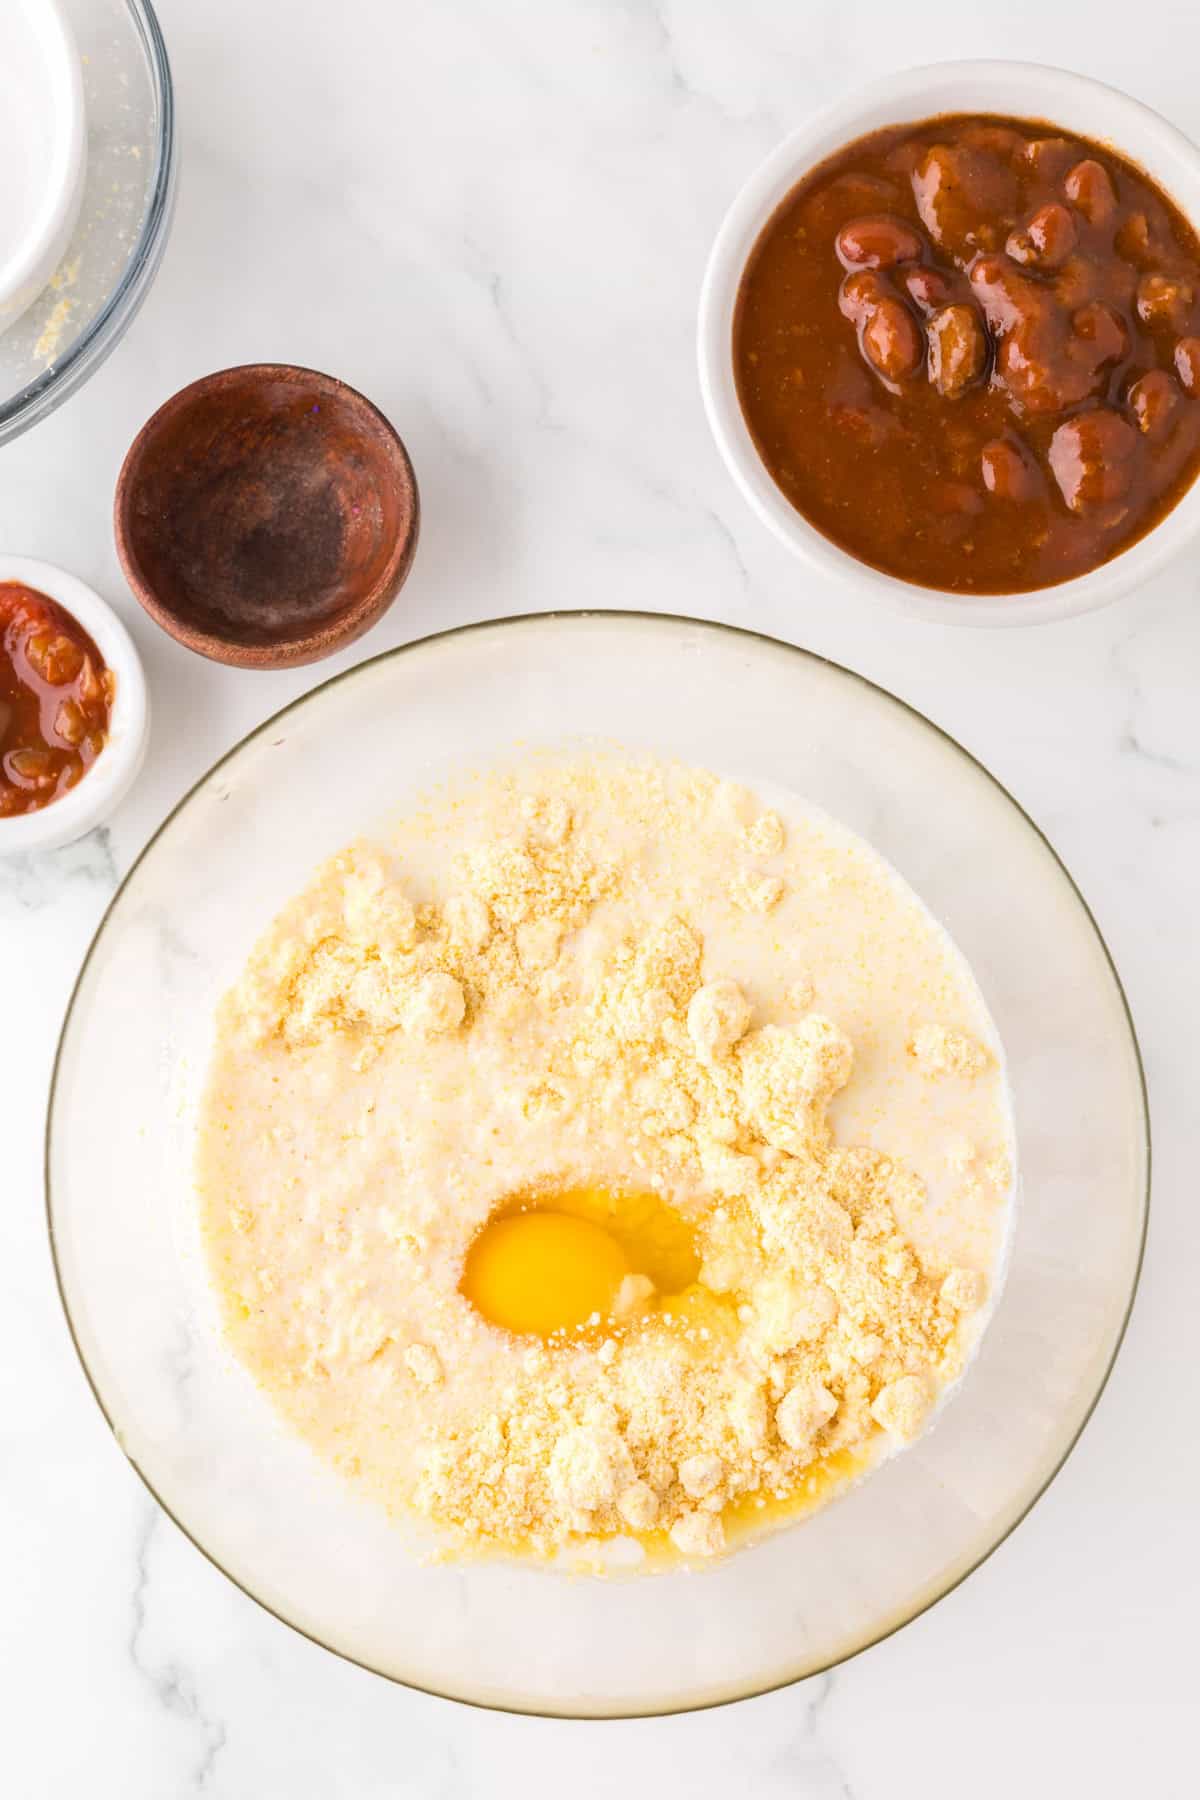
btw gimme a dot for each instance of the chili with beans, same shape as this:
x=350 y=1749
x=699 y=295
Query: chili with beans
x=969 y=352
x=55 y=700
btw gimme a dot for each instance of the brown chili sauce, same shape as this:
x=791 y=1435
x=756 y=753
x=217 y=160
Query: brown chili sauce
x=969 y=352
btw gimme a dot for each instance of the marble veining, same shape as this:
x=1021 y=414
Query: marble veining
x=171 y=1683
x=33 y=881
x=495 y=221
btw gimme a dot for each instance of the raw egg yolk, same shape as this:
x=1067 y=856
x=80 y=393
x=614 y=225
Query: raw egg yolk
x=543 y=1272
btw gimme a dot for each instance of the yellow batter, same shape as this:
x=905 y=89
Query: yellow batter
x=604 y=1153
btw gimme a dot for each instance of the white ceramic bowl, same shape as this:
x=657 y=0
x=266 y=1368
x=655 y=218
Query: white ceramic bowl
x=98 y=792
x=43 y=148
x=1021 y=90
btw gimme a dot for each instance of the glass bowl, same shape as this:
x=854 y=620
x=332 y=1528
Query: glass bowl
x=118 y=242
x=133 y=1055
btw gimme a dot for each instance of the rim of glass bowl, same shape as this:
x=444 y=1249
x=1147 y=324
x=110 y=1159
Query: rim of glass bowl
x=718 y=628
x=47 y=392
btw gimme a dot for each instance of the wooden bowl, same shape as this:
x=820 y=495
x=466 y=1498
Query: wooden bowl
x=266 y=516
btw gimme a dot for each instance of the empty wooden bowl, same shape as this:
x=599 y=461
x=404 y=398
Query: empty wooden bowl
x=266 y=516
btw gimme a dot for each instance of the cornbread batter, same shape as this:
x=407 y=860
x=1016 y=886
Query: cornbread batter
x=604 y=1154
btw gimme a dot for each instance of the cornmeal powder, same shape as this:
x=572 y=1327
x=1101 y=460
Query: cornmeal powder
x=814 y=1323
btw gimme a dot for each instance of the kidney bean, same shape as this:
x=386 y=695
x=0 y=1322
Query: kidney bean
x=876 y=243
x=1134 y=241
x=1187 y=364
x=1009 y=471
x=1103 y=329
x=1049 y=158
x=957 y=349
x=888 y=335
x=1046 y=241
x=1090 y=191
x=903 y=158
x=960 y=192
x=1007 y=296
x=1028 y=328
x=926 y=288
x=1164 y=300
x=860 y=293
x=891 y=340
x=1045 y=358
x=1090 y=458
x=1152 y=399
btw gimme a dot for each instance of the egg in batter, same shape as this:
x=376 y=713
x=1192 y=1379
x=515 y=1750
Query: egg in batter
x=583 y=1259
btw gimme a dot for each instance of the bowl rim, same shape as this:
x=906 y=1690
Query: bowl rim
x=1024 y=90
x=59 y=380
x=719 y=629
x=55 y=215
x=108 y=780
x=312 y=643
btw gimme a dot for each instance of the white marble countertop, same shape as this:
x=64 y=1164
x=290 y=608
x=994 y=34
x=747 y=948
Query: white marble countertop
x=494 y=221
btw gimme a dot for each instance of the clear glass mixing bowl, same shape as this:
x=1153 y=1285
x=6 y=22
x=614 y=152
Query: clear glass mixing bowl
x=133 y=1054
x=116 y=248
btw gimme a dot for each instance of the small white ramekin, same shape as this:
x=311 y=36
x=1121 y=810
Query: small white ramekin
x=37 y=39
x=1021 y=90
x=99 y=791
